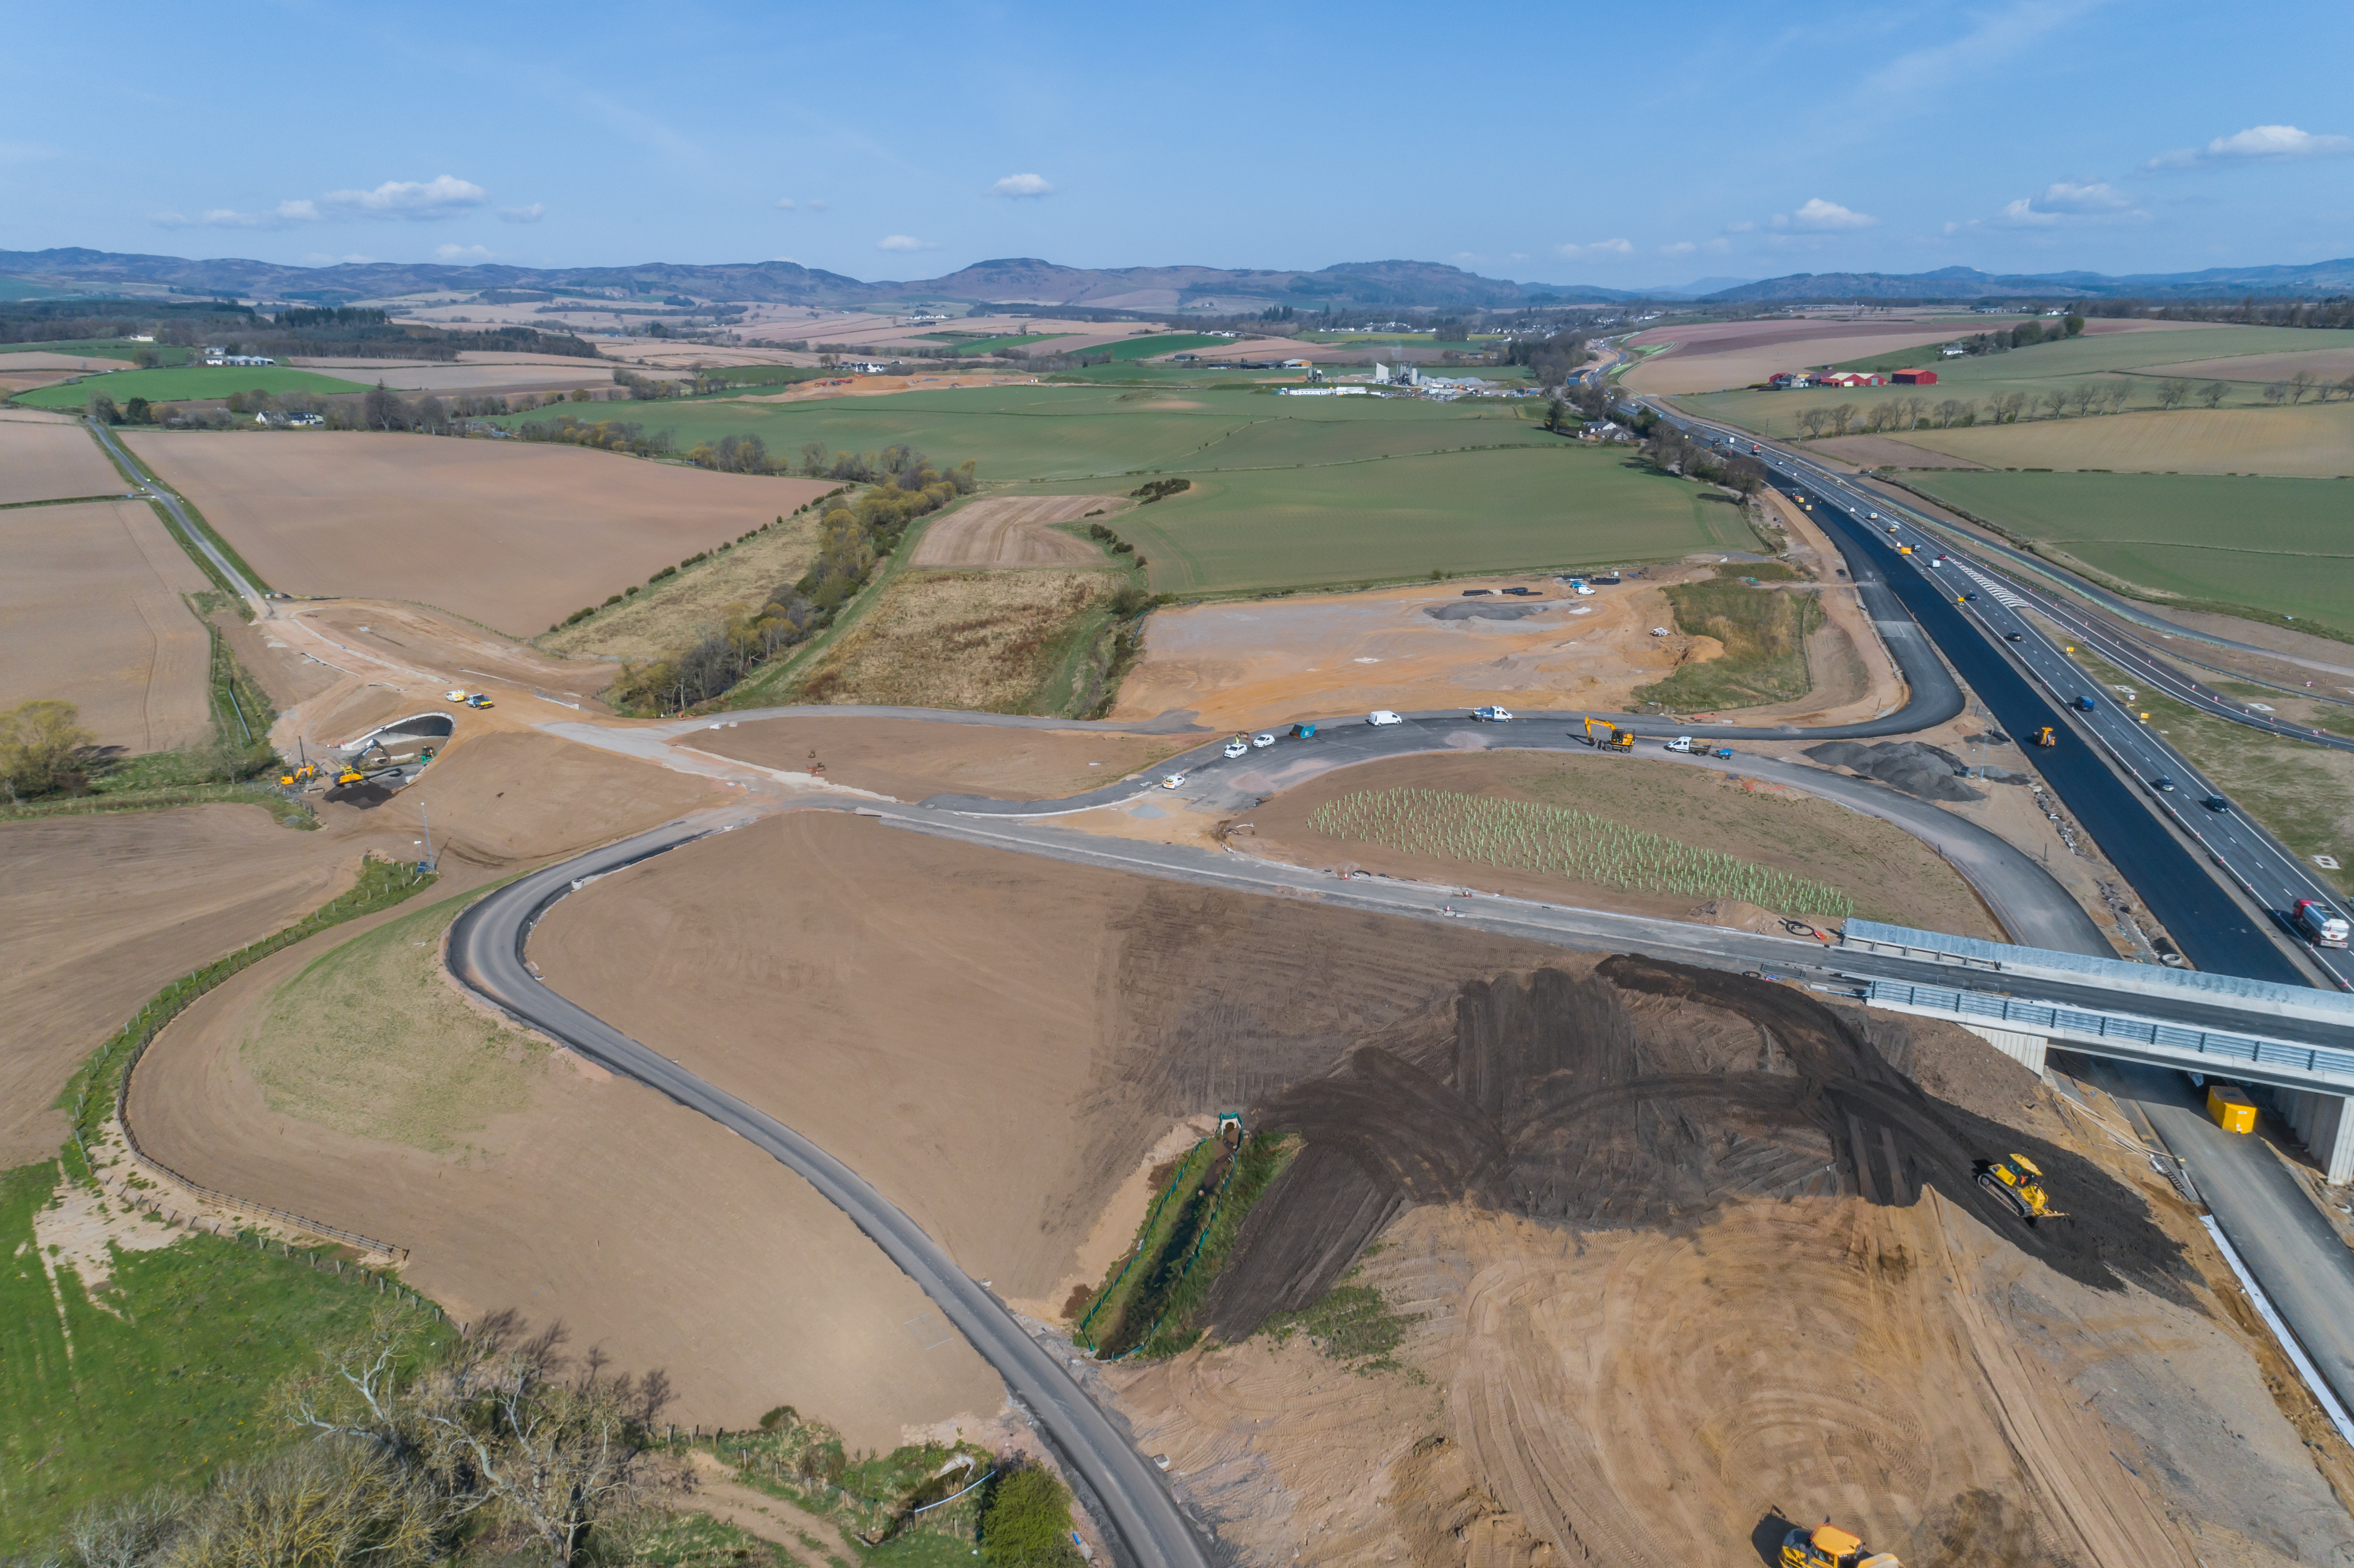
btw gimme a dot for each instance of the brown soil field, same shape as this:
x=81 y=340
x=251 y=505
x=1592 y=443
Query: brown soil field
x=884 y=385
x=1712 y=356
x=1891 y=875
x=2311 y=440
x=13 y=380
x=665 y=617
x=9 y=416
x=1884 y=451
x=103 y=911
x=43 y=359
x=996 y=1040
x=49 y=462
x=2330 y=364
x=648 y=1230
x=987 y=642
x=912 y=760
x=1014 y=531
x=512 y=534
x=91 y=613
x=1249 y=662
x=1622 y=1327
x=549 y=374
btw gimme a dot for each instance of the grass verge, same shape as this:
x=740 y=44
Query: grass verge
x=1353 y=1324
x=157 y=1374
x=900 y=1509
x=1763 y=633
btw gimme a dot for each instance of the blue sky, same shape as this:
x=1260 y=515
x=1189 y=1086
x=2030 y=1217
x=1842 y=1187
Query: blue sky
x=1614 y=145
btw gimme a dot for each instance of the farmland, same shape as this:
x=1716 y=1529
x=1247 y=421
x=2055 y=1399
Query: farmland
x=2308 y=439
x=185 y=383
x=1454 y=512
x=44 y=462
x=996 y=641
x=2275 y=546
x=1163 y=342
x=512 y=536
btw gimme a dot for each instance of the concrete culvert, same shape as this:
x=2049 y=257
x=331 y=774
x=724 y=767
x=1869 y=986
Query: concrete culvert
x=1586 y=1103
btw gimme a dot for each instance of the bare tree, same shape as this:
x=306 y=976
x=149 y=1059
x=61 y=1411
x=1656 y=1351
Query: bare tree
x=2346 y=386
x=2275 y=391
x=1810 y=422
x=1842 y=418
x=2300 y=384
x=1947 y=412
x=2083 y=395
x=2055 y=402
x=2214 y=393
x=2173 y=393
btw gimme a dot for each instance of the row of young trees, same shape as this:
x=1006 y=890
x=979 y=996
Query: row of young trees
x=853 y=538
x=2080 y=398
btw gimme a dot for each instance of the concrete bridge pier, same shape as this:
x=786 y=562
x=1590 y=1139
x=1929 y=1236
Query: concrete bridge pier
x=2027 y=1050
x=2325 y=1124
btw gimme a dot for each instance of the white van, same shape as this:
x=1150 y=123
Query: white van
x=1383 y=716
x=1681 y=743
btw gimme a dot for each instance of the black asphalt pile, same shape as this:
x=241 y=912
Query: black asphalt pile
x=1649 y=1096
x=1483 y=609
x=1914 y=766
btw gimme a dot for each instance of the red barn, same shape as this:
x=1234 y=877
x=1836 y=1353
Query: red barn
x=1914 y=377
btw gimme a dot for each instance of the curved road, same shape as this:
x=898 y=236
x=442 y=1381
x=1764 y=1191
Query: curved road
x=486 y=954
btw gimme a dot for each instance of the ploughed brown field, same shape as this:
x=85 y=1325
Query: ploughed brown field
x=513 y=535
x=1713 y=356
x=90 y=613
x=1014 y=531
x=911 y=759
x=46 y=461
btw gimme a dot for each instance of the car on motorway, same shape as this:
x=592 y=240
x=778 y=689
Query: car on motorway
x=2014 y=637
x=2162 y=784
x=1172 y=781
x=1493 y=716
x=1383 y=716
x=1264 y=737
x=1969 y=596
x=2217 y=804
x=1238 y=746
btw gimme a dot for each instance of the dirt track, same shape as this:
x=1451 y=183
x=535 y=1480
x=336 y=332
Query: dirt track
x=912 y=760
x=91 y=613
x=47 y=462
x=513 y=535
x=1014 y=531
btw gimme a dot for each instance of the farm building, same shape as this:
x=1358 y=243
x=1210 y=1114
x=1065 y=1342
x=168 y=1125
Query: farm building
x=1847 y=378
x=1913 y=377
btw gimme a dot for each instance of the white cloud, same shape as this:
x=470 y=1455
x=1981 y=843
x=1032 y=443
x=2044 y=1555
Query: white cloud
x=1994 y=42
x=1740 y=226
x=444 y=195
x=1599 y=248
x=1021 y=185
x=1819 y=215
x=462 y=253
x=2062 y=202
x=1681 y=247
x=531 y=214
x=285 y=215
x=2256 y=145
x=787 y=203
x=904 y=242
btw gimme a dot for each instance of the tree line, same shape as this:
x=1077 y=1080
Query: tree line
x=854 y=538
x=2080 y=398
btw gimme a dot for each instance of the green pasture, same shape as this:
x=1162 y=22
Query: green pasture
x=2279 y=547
x=158 y=1378
x=1026 y=433
x=966 y=343
x=1383 y=519
x=185 y=382
x=101 y=348
x=1163 y=342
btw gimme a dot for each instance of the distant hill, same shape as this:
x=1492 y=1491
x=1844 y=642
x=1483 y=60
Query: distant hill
x=1010 y=280
x=2318 y=278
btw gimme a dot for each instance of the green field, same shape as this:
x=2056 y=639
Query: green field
x=1018 y=434
x=964 y=342
x=166 y=1375
x=101 y=348
x=1385 y=519
x=1163 y=342
x=185 y=382
x=2280 y=547
x=2032 y=371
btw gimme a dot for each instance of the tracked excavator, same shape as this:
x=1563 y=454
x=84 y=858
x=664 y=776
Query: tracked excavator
x=1612 y=738
x=2017 y=1182
x=1831 y=1547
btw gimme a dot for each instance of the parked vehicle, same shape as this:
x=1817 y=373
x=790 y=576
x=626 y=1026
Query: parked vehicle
x=1383 y=716
x=1238 y=746
x=2317 y=923
x=1520 y=592
x=1493 y=716
x=1723 y=752
x=1303 y=732
x=1172 y=781
x=1264 y=737
x=1682 y=743
x=479 y=701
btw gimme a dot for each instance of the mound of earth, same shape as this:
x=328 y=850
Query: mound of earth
x=1645 y=1096
x=1914 y=766
x=1484 y=610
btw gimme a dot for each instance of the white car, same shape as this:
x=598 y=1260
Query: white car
x=1172 y=781
x=1681 y=743
x=1493 y=716
x=454 y=694
x=1382 y=717
x=1238 y=747
x=1264 y=737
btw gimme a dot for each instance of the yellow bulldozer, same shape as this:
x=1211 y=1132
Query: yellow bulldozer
x=2018 y=1182
x=1831 y=1547
x=1612 y=738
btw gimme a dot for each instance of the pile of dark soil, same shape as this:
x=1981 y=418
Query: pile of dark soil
x=1484 y=610
x=1914 y=766
x=1647 y=1096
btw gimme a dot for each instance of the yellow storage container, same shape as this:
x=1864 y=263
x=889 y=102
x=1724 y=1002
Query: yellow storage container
x=2233 y=1111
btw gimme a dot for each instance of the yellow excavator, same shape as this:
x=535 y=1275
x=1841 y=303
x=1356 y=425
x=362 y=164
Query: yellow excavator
x=302 y=775
x=2018 y=1182
x=1831 y=1547
x=1612 y=738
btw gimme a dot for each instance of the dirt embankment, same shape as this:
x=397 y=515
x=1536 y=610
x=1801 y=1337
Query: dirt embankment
x=912 y=760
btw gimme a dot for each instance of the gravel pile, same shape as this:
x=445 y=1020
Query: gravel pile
x=1928 y=772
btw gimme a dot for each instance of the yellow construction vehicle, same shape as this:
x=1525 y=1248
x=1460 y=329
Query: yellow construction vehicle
x=350 y=775
x=1831 y=1547
x=2018 y=1181
x=301 y=775
x=2047 y=735
x=1612 y=738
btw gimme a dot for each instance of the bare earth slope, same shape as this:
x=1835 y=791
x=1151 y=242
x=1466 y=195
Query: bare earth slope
x=1014 y=531
x=514 y=535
